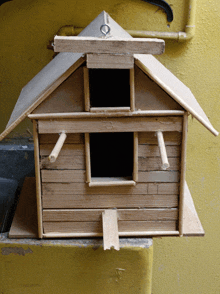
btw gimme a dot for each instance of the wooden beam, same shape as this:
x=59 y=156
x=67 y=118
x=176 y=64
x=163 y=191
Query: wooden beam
x=97 y=125
x=108 y=45
x=110 y=61
x=110 y=229
x=105 y=114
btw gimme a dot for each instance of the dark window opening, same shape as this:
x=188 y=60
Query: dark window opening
x=109 y=87
x=111 y=155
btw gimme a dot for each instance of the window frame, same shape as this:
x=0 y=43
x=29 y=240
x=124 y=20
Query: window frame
x=114 y=181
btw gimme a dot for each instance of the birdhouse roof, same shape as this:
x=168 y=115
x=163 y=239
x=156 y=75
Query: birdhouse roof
x=64 y=64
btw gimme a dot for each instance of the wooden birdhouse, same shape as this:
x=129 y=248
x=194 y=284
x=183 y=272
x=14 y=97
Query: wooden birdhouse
x=110 y=130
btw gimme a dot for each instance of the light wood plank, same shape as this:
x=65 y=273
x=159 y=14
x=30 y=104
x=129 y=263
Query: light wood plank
x=76 y=138
x=148 y=150
x=82 y=188
x=158 y=177
x=95 y=215
x=110 y=229
x=96 y=227
x=63 y=176
x=86 y=88
x=154 y=164
x=170 y=138
x=67 y=150
x=64 y=162
x=123 y=124
x=38 y=178
x=138 y=113
x=183 y=172
x=54 y=201
x=108 y=45
x=109 y=61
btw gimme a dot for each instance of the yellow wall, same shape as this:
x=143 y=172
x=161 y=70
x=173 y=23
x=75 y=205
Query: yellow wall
x=181 y=265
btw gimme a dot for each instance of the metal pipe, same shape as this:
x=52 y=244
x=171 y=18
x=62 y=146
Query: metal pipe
x=179 y=36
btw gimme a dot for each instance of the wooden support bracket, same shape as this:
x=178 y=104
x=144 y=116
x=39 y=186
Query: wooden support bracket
x=110 y=229
x=57 y=148
x=163 y=152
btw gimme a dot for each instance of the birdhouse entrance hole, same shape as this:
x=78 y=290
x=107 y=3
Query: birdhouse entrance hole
x=109 y=87
x=111 y=155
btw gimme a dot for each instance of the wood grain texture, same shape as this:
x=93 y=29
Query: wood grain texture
x=63 y=162
x=86 y=88
x=132 y=89
x=154 y=164
x=123 y=124
x=82 y=188
x=67 y=97
x=96 y=227
x=110 y=229
x=148 y=150
x=170 y=138
x=63 y=176
x=158 y=176
x=108 y=45
x=67 y=150
x=95 y=215
x=77 y=138
x=54 y=201
x=109 y=61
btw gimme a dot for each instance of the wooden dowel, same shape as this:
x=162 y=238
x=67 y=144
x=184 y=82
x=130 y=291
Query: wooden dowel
x=112 y=183
x=163 y=152
x=107 y=114
x=135 y=163
x=132 y=90
x=88 y=160
x=57 y=148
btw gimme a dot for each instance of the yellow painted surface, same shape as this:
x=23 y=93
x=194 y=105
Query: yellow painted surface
x=50 y=269
x=181 y=265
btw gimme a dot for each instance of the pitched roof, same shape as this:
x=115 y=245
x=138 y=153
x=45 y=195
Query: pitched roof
x=64 y=64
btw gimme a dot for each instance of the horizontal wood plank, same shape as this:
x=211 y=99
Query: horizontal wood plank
x=63 y=162
x=54 y=201
x=67 y=149
x=63 y=176
x=154 y=164
x=108 y=45
x=76 y=138
x=170 y=138
x=94 y=215
x=158 y=177
x=153 y=151
x=96 y=227
x=122 y=124
x=83 y=188
x=109 y=61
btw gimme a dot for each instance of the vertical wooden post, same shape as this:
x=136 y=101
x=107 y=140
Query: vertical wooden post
x=135 y=163
x=88 y=159
x=132 y=90
x=38 y=179
x=163 y=152
x=86 y=89
x=183 y=172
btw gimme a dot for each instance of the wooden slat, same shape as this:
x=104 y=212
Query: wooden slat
x=110 y=109
x=94 y=215
x=63 y=162
x=135 y=159
x=170 y=138
x=109 y=61
x=153 y=151
x=123 y=124
x=86 y=88
x=76 y=138
x=82 y=188
x=110 y=229
x=108 y=45
x=154 y=164
x=38 y=179
x=67 y=150
x=158 y=177
x=63 y=176
x=54 y=201
x=132 y=89
x=96 y=227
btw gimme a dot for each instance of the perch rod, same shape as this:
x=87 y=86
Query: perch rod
x=57 y=148
x=163 y=153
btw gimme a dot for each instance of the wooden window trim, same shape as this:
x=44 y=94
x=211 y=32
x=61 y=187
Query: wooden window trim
x=111 y=181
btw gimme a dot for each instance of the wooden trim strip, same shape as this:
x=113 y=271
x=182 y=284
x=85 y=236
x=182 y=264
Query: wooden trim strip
x=132 y=90
x=88 y=159
x=135 y=158
x=105 y=114
x=109 y=109
x=97 y=125
x=183 y=172
x=111 y=183
x=38 y=179
x=86 y=88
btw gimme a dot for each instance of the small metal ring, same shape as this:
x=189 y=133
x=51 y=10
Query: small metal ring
x=102 y=29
